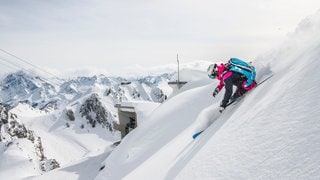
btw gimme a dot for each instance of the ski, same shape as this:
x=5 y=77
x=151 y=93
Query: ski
x=195 y=135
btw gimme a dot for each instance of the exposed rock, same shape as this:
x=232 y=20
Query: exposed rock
x=49 y=164
x=93 y=110
x=70 y=115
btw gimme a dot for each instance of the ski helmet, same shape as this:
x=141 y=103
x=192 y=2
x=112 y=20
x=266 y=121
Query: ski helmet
x=212 y=71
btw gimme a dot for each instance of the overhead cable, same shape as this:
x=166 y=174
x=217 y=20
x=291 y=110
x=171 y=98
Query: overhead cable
x=28 y=63
x=19 y=67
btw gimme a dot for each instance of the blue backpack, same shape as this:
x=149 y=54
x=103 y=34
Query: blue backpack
x=244 y=68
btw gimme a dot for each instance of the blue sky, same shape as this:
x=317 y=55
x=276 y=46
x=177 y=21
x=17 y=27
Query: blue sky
x=113 y=35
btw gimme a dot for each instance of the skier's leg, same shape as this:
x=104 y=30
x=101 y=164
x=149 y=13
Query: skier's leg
x=239 y=92
x=229 y=88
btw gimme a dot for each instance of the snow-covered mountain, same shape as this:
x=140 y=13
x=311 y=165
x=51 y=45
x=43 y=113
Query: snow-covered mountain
x=35 y=112
x=14 y=135
x=45 y=93
x=273 y=133
x=30 y=89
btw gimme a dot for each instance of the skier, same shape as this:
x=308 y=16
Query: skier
x=234 y=73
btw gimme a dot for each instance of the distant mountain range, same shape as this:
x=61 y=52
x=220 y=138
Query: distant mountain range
x=45 y=94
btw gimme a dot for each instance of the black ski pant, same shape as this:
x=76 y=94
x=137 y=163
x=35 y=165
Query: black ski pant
x=235 y=79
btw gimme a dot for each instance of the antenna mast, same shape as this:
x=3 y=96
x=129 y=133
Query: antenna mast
x=178 y=82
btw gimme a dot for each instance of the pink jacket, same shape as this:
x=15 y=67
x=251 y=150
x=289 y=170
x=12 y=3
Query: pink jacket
x=222 y=75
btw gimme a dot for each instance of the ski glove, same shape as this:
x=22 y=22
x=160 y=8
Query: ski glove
x=215 y=92
x=211 y=76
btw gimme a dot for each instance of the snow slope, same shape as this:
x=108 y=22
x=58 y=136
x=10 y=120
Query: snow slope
x=273 y=134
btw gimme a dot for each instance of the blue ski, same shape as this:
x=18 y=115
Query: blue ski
x=197 y=134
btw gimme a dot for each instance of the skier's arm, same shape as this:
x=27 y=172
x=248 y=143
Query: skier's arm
x=220 y=85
